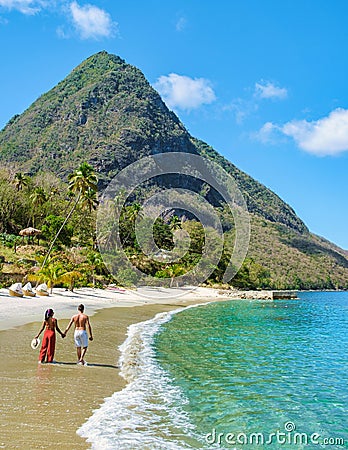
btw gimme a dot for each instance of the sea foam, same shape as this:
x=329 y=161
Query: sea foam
x=148 y=413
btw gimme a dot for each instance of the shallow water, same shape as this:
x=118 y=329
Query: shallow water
x=262 y=367
x=233 y=375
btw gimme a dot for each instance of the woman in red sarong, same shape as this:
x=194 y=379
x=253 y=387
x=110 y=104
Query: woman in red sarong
x=50 y=325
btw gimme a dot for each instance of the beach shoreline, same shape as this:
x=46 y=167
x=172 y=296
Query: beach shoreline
x=17 y=311
x=28 y=414
x=28 y=388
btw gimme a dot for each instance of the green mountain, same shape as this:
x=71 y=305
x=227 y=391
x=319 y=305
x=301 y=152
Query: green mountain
x=106 y=113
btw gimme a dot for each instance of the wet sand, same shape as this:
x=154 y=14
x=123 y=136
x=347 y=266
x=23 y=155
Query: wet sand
x=42 y=406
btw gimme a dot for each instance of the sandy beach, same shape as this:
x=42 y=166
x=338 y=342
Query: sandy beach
x=44 y=405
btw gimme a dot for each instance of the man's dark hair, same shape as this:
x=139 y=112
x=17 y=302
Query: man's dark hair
x=81 y=308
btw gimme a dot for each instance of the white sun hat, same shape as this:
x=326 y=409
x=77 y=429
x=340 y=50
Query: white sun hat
x=35 y=343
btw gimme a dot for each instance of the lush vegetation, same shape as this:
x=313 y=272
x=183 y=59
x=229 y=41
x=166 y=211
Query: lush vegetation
x=107 y=114
x=66 y=252
x=299 y=261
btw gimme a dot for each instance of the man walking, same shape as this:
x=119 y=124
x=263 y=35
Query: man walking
x=81 y=321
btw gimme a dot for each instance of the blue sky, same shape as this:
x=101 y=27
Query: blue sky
x=263 y=82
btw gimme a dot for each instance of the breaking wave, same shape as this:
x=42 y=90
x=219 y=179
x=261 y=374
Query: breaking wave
x=149 y=412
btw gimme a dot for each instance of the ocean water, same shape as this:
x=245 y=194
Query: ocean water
x=233 y=375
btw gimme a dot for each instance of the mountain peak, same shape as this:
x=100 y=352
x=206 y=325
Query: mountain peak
x=102 y=107
x=105 y=112
x=101 y=61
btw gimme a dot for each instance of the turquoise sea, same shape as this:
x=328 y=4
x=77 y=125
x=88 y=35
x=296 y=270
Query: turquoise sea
x=235 y=375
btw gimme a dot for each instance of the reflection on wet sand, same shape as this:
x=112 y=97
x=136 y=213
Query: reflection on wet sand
x=43 y=405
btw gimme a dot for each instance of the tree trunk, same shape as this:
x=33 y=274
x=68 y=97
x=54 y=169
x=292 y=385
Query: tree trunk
x=60 y=229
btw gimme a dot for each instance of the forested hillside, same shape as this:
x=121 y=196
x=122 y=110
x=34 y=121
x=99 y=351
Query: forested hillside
x=106 y=114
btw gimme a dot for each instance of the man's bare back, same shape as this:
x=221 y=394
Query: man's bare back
x=82 y=324
x=80 y=321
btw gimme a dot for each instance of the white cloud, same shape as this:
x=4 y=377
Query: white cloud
x=28 y=7
x=62 y=33
x=183 y=92
x=91 y=21
x=181 y=24
x=244 y=107
x=267 y=133
x=241 y=108
x=326 y=136
x=266 y=89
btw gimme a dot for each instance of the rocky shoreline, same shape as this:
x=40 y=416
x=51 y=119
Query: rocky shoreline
x=259 y=295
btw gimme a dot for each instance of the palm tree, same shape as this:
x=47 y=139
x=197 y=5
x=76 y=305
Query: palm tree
x=51 y=275
x=38 y=198
x=175 y=223
x=70 y=278
x=172 y=271
x=95 y=261
x=80 y=181
x=112 y=211
x=128 y=218
x=175 y=270
x=20 y=180
x=90 y=200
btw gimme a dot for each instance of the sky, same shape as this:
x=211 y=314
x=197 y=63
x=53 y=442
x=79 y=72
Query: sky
x=264 y=82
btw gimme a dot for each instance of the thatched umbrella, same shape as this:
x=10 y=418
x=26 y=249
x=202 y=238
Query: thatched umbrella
x=30 y=231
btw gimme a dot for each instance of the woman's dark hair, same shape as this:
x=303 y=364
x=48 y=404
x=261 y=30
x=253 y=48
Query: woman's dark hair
x=48 y=313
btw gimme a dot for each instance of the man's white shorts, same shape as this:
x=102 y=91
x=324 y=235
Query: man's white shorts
x=81 y=338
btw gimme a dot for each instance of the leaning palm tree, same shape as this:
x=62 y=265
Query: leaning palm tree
x=80 y=181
